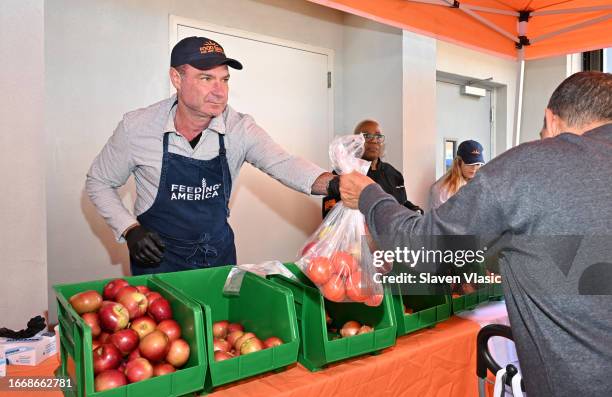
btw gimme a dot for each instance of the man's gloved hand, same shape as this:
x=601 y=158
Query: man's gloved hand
x=333 y=188
x=145 y=247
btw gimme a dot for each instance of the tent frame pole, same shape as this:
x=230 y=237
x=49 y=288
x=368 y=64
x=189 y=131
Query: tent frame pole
x=466 y=9
x=573 y=27
x=572 y=10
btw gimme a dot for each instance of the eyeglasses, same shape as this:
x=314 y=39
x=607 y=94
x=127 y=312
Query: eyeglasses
x=378 y=138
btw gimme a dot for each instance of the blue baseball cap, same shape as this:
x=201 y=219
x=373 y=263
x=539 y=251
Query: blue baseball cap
x=470 y=152
x=201 y=53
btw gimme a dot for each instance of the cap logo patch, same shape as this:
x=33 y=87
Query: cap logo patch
x=211 y=46
x=475 y=151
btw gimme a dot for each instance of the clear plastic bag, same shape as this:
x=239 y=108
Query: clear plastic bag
x=236 y=275
x=337 y=256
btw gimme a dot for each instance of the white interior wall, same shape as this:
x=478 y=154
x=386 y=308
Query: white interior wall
x=23 y=250
x=542 y=76
x=372 y=61
x=462 y=61
x=419 y=115
x=105 y=58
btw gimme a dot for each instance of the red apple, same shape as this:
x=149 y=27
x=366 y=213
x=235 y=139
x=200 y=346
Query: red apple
x=109 y=379
x=344 y=263
x=160 y=310
x=242 y=339
x=319 y=270
x=106 y=357
x=220 y=356
x=128 y=289
x=87 y=301
x=334 y=290
x=155 y=346
x=163 y=369
x=153 y=296
x=133 y=355
x=251 y=345
x=112 y=287
x=364 y=329
x=170 y=328
x=143 y=289
x=143 y=326
x=272 y=341
x=234 y=336
x=221 y=345
x=135 y=302
x=113 y=317
x=104 y=337
x=91 y=319
x=308 y=247
x=126 y=340
x=374 y=300
x=356 y=289
x=220 y=329
x=138 y=369
x=234 y=327
x=178 y=354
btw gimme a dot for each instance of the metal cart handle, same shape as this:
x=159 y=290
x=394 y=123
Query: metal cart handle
x=484 y=360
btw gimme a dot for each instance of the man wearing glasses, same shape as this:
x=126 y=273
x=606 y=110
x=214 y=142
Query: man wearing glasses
x=390 y=179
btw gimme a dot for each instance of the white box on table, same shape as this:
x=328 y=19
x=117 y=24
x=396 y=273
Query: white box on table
x=30 y=351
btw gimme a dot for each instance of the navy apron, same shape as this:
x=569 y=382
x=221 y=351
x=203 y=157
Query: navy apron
x=190 y=213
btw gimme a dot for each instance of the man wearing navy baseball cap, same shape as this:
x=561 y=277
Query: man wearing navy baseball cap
x=184 y=153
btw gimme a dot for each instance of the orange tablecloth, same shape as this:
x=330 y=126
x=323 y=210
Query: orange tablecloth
x=435 y=362
x=45 y=368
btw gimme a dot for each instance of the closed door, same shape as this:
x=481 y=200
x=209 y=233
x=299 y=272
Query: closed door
x=284 y=87
x=461 y=117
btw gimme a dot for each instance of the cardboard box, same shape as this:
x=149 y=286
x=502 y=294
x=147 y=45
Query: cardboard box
x=31 y=351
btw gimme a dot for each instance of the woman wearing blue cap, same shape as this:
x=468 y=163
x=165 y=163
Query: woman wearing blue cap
x=467 y=162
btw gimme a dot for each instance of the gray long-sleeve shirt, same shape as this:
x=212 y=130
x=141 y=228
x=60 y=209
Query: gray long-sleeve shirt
x=551 y=201
x=136 y=147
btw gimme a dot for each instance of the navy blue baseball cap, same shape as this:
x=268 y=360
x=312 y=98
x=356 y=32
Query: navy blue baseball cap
x=201 y=53
x=470 y=152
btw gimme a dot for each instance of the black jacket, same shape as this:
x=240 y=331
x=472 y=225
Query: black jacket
x=390 y=179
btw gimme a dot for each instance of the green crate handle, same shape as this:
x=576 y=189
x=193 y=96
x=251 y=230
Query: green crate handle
x=86 y=357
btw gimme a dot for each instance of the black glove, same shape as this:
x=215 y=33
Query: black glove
x=333 y=188
x=413 y=207
x=35 y=325
x=145 y=247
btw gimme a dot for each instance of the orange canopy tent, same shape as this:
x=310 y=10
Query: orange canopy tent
x=517 y=29
x=540 y=28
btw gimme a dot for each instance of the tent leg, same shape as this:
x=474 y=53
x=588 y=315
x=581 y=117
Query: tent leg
x=518 y=100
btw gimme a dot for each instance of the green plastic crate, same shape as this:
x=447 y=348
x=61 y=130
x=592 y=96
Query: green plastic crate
x=480 y=295
x=77 y=355
x=470 y=301
x=262 y=307
x=317 y=349
x=428 y=310
x=496 y=292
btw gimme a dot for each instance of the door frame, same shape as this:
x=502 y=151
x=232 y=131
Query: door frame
x=492 y=88
x=176 y=21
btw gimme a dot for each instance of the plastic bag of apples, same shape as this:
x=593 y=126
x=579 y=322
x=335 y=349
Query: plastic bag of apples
x=337 y=257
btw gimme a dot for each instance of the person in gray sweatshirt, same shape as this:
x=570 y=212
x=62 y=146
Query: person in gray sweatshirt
x=547 y=206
